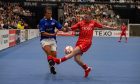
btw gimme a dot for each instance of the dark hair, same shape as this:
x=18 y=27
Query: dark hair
x=47 y=8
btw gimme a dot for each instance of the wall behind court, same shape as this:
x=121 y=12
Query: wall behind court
x=12 y=37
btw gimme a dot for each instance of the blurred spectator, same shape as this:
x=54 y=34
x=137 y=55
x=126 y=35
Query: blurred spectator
x=5 y=26
x=102 y=13
x=20 y=25
x=10 y=15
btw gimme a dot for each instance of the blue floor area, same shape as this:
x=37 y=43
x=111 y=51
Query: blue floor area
x=112 y=63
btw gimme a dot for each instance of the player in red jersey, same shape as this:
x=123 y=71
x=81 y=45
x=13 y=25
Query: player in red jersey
x=123 y=32
x=84 y=42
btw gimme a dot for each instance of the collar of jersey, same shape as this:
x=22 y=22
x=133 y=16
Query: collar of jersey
x=47 y=19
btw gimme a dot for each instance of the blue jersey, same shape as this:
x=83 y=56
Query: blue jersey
x=48 y=26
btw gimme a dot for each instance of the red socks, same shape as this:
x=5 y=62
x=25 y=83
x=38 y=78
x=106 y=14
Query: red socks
x=59 y=60
x=63 y=59
x=84 y=66
x=49 y=57
x=87 y=70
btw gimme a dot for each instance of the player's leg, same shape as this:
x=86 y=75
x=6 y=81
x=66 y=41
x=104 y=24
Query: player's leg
x=48 y=51
x=52 y=63
x=125 y=38
x=54 y=48
x=73 y=53
x=46 y=45
x=120 y=38
x=79 y=61
x=53 y=54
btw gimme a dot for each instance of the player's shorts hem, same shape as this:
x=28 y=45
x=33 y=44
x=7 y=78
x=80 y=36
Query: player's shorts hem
x=83 y=49
x=80 y=48
x=123 y=34
x=50 y=42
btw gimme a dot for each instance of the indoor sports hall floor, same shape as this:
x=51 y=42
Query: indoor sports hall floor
x=112 y=62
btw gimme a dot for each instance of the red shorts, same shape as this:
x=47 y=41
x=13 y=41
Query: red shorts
x=84 y=45
x=123 y=34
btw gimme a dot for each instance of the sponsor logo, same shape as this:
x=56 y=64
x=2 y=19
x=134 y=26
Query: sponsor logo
x=87 y=28
x=52 y=23
x=103 y=33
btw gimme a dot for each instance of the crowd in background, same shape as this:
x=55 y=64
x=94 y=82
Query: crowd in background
x=104 y=14
x=10 y=16
x=113 y=1
x=125 y=1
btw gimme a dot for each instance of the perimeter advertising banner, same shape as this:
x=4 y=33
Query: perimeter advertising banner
x=9 y=38
x=32 y=33
x=97 y=33
x=22 y=35
x=4 y=39
x=0 y=41
x=108 y=33
x=26 y=34
x=17 y=36
x=12 y=38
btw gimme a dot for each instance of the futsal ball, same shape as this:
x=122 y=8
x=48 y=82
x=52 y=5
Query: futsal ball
x=68 y=49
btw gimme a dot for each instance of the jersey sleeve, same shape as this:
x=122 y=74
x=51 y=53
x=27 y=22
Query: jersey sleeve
x=125 y=27
x=98 y=25
x=58 y=25
x=76 y=26
x=41 y=26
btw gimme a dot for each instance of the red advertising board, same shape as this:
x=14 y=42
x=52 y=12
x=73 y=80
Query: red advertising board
x=12 y=38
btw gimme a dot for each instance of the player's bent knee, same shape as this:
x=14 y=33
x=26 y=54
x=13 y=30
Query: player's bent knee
x=54 y=53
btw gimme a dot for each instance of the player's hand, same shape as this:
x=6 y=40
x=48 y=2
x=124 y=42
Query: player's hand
x=66 y=25
x=55 y=33
x=66 y=29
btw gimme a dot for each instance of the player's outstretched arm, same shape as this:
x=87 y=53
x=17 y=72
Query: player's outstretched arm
x=65 y=29
x=104 y=26
x=47 y=34
x=72 y=28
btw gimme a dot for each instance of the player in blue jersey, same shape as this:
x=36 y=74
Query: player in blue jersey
x=47 y=27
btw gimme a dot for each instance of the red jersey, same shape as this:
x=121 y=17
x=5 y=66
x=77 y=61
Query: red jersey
x=123 y=28
x=86 y=29
x=86 y=33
